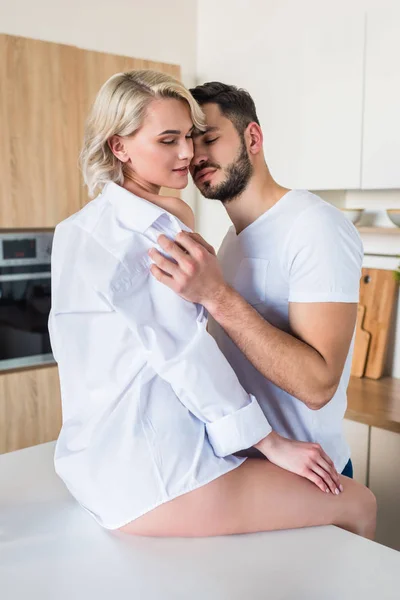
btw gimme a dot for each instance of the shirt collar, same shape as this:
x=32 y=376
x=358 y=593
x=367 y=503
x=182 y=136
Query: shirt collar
x=135 y=212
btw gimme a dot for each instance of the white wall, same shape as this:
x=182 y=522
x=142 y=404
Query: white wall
x=149 y=29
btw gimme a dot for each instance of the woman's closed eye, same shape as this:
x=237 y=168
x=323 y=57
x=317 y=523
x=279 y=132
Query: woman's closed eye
x=188 y=137
x=211 y=141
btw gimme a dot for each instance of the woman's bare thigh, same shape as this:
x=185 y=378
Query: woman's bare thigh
x=257 y=496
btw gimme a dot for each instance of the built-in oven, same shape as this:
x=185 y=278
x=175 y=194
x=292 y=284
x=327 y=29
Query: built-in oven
x=25 y=299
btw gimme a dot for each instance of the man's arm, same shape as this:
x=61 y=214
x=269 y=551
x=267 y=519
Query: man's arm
x=306 y=363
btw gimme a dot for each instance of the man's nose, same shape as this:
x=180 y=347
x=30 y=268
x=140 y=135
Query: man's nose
x=199 y=157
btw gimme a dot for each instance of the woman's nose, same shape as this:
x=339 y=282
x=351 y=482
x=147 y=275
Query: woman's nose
x=186 y=150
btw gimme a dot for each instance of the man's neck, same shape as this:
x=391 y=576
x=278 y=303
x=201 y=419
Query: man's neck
x=259 y=196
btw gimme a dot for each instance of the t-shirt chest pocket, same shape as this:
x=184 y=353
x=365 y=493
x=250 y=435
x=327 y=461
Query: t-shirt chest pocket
x=251 y=280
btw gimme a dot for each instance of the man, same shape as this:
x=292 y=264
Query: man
x=283 y=296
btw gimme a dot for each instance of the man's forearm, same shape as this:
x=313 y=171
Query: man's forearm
x=282 y=358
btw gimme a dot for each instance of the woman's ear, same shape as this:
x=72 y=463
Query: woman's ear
x=254 y=137
x=117 y=147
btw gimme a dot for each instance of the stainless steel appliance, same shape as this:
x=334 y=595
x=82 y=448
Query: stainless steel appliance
x=25 y=299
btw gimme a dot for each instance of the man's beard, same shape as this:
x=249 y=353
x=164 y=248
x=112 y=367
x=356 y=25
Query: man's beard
x=238 y=175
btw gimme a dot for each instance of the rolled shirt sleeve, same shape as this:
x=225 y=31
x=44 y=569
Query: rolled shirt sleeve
x=172 y=333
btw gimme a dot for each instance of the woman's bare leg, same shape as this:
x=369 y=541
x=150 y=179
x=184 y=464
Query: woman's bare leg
x=259 y=496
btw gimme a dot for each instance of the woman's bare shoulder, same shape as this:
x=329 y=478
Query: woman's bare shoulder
x=180 y=209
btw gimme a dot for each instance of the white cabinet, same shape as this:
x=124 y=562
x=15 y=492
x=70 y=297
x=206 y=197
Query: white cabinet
x=375 y=454
x=357 y=435
x=384 y=481
x=303 y=64
x=326 y=81
x=381 y=129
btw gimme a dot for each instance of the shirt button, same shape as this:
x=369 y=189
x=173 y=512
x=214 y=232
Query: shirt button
x=122 y=285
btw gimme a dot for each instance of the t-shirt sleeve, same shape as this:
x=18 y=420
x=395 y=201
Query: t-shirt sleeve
x=324 y=257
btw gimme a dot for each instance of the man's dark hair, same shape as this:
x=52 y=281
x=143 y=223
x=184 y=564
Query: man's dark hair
x=235 y=103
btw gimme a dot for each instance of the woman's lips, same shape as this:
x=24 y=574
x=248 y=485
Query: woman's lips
x=182 y=171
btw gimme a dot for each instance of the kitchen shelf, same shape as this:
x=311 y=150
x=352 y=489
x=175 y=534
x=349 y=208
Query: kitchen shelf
x=374 y=402
x=380 y=230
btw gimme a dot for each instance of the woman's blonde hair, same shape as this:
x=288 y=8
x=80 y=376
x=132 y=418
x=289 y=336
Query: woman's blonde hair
x=119 y=109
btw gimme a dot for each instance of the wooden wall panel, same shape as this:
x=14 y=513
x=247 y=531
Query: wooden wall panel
x=6 y=207
x=39 y=129
x=30 y=408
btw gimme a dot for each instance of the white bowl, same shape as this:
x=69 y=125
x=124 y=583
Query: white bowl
x=394 y=216
x=352 y=214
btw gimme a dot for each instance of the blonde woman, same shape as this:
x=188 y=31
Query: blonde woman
x=152 y=412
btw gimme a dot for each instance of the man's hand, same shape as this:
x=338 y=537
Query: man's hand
x=197 y=238
x=196 y=274
x=303 y=458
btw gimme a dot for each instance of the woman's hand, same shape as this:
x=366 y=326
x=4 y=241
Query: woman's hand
x=303 y=458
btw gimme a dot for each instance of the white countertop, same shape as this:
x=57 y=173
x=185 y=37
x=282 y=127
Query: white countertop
x=50 y=549
x=36 y=360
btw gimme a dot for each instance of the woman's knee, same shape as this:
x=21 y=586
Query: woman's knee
x=359 y=509
x=369 y=512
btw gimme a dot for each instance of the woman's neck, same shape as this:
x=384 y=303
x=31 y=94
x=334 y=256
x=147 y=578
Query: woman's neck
x=171 y=204
x=143 y=189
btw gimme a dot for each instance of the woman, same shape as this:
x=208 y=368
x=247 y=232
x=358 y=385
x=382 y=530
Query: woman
x=152 y=412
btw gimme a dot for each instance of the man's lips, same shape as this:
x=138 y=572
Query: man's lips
x=201 y=174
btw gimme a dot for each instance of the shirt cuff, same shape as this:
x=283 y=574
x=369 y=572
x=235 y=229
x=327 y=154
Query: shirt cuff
x=239 y=430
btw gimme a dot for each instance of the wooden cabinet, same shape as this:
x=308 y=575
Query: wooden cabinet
x=30 y=408
x=357 y=436
x=384 y=481
x=47 y=90
x=381 y=128
x=39 y=185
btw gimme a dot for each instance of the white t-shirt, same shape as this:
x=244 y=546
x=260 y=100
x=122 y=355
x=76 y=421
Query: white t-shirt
x=301 y=250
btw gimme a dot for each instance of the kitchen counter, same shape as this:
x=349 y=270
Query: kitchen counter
x=374 y=402
x=50 y=548
x=26 y=363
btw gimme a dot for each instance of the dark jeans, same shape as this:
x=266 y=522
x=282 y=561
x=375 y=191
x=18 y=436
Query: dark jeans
x=348 y=470
x=254 y=453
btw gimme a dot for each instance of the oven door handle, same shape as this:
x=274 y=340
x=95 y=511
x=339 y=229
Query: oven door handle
x=25 y=276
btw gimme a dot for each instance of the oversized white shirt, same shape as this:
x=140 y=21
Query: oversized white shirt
x=301 y=250
x=151 y=407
